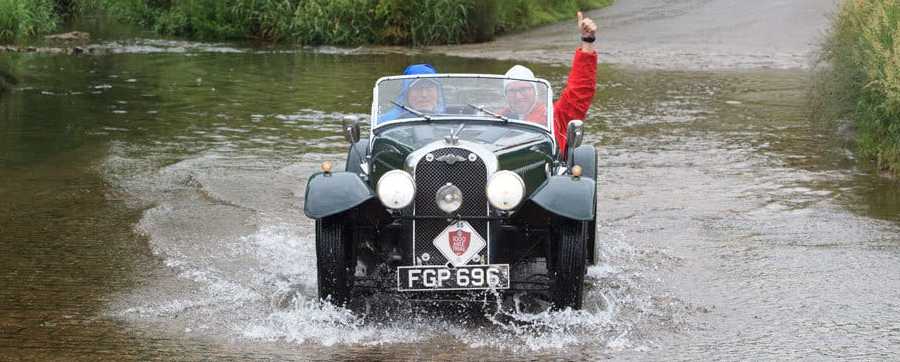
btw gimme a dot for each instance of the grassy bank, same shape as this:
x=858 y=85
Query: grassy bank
x=863 y=83
x=24 y=18
x=314 y=22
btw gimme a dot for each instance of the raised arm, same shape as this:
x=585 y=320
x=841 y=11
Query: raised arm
x=579 y=92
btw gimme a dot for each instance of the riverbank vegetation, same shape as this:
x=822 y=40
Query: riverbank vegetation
x=24 y=18
x=863 y=83
x=347 y=22
x=312 y=22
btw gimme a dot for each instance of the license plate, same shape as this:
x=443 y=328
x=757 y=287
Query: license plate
x=468 y=277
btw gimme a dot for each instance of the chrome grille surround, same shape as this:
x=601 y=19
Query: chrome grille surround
x=431 y=174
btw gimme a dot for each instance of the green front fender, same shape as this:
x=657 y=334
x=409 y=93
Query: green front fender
x=331 y=193
x=567 y=196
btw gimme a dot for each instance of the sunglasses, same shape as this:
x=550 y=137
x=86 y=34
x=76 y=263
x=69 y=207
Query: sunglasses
x=423 y=83
x=519 y=91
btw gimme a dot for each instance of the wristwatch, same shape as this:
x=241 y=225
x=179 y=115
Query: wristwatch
x=588 y=39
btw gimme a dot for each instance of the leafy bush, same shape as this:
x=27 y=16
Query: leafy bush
x=864 y=51
x=346 y=22
x=330 y=22
x=23 y=18
x=339 y=22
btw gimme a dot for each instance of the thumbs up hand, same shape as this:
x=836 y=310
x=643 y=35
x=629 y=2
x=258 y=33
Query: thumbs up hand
x=586 y=26
x=588 y=30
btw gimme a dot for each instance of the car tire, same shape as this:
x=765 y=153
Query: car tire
x=569 y=266
x=334 y=259
x=586 y=157
x=592 y=251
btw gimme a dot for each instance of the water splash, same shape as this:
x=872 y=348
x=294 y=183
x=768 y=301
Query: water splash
x=229 y=226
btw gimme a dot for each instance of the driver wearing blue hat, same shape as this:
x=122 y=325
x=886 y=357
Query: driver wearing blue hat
x=424 y=95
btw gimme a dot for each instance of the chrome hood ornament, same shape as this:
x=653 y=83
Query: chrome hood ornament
x=450 y=159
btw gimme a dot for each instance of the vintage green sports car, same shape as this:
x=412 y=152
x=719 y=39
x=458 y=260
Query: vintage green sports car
x=455 y=196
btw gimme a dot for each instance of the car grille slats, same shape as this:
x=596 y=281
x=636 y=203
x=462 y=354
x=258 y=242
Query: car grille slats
x=430 y=174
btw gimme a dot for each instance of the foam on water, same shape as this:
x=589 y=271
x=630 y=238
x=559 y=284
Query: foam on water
x=228 y=227
x=718 y=240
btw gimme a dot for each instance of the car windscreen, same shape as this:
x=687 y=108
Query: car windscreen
x=497 y=136
x=437 y=96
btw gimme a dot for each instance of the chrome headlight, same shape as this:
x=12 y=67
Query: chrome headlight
x=505 y=190
x=449 y=198
x=396 y=189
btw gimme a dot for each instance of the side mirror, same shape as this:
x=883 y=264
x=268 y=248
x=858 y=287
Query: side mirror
x=574 y=136
x=351 y=129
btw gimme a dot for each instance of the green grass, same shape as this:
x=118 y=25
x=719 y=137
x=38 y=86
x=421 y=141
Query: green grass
x=21 y=20
x=517 y=15
x=863 y=83
x=346 y=22
x=314 y=22
x=25 y=18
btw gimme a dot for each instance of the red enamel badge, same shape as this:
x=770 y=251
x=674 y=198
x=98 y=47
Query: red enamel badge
x=459 y=241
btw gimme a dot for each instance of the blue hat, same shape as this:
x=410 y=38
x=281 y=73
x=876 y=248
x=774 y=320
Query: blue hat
x=414 y=69
x=419 y=69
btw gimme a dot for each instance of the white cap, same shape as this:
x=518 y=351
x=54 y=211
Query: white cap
x=518 y=72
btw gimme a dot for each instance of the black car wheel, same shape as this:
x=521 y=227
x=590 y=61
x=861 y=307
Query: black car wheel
x=586 y=157
x=334 y=259
x=570 y=263
x=592 y=251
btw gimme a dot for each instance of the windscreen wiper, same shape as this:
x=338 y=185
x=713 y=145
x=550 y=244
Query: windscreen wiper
x=495 y=115
x=413 y=111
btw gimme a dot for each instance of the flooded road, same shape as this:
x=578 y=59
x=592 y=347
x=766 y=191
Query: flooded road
x=152 y=209
x=681 y=34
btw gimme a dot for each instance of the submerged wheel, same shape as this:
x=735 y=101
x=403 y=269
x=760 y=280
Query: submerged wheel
x=334 y=264
x=592 y=251
x=569 y=267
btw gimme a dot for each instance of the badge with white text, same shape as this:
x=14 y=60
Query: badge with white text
x=459 y=243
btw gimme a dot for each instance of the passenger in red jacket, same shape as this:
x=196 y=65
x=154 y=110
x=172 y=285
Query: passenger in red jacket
x=576 y=98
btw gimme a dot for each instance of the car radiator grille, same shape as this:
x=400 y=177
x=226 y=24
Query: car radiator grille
x=470 y=177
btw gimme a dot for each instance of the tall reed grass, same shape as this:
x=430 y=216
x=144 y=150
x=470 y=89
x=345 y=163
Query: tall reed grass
x=338 y=22
x=24 y=18
x=863 y=50
x=346 y=22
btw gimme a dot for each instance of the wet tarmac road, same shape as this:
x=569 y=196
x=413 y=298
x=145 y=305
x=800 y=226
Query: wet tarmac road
x=681 y=34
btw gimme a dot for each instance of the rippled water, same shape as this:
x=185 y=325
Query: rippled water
x=152 y=208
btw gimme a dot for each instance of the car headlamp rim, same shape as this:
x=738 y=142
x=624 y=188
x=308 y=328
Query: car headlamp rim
x=513 y=182
x=396 y=189
x=449 y=198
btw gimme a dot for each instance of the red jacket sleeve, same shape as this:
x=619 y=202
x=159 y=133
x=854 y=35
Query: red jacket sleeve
x=578 y=94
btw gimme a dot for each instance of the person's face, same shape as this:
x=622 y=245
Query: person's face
x=423 y=96
x=520 y=96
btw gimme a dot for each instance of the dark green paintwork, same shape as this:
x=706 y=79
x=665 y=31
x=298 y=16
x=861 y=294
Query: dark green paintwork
x=331 y=193
x=586 y=157
x=567 y=196
x=529 y=159
x=387 y=154
x=530 y=162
